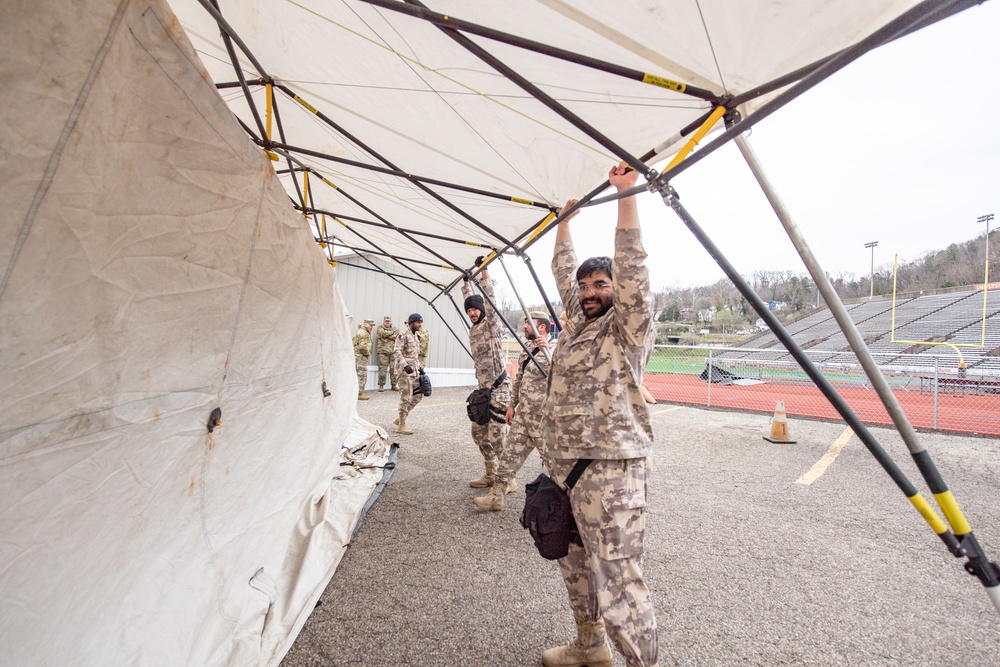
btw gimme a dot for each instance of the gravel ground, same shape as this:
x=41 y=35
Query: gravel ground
x=746 y=566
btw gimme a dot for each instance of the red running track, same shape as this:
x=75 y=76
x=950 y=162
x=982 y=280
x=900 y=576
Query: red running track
x=959 y=413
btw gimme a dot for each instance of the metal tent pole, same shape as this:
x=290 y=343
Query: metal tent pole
x=511 y=329
x=986 y=571
x=527 y=315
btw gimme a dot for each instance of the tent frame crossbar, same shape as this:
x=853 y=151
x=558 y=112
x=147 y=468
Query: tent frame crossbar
x=334 y=241
x=415 y=232
x=228 y=37
x=448 y=21
x=350 y=137
x=413 y=178
x=371 y=212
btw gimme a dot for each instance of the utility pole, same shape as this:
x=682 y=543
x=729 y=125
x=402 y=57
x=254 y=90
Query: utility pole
x=872 y=245
x=986 y=218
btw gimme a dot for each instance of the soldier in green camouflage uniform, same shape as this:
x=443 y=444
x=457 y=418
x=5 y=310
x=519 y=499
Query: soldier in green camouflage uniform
x=385 y=339
x=524 y=414
x=425 y=339
x=404 y=355
x=362 y=352
x=485 y=338
x=594 y=410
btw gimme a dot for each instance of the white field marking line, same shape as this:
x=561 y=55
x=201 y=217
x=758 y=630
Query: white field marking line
x=831 y=455
x=670 y=409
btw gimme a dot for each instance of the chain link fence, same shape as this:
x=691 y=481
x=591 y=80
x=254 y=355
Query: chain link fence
x=934 y=390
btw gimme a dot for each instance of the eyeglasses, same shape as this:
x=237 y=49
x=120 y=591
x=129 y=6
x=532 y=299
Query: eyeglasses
x=595 y=287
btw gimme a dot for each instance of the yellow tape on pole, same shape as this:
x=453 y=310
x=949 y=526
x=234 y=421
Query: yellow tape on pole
x=930 y=516
x=269 y=112
x=305 y=192
x=697 y=137
x=953 y=513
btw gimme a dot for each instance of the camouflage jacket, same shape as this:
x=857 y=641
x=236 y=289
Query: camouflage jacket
x=385 y=339
x=362 y=342
x=405 y=349
x=425 y=339
x=485 y=338
x=594 y=408
x=530 y=386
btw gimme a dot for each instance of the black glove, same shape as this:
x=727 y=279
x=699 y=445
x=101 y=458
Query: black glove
x=479 y=260
x=408 y=369
x=421 y=371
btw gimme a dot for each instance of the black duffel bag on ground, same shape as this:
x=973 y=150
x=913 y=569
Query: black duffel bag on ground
x=477 y=405
x=548 y=515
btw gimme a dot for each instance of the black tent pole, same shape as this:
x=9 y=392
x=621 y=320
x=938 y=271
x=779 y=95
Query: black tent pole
x=462 y=314
x=213 y=8
x=410 y=177
x=381 y=253
x=342 y=261
x=541 y=290
x=415 y=232
x=547 y=100
x=511 y=329
x=386 y=162
x=443 y=21
x=291 y=167
x=420 y=296
x=852 y=420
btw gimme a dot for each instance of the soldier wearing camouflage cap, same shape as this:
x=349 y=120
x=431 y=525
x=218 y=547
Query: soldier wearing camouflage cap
x=385 y=339
x=362 y=352
x=485 y=341
x=524 y=414
x=595 y=410
x=405 y=358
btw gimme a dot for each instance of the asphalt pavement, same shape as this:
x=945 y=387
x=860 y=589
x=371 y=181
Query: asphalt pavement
x=747 y=564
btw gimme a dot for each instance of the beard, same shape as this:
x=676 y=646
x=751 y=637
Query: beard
x=595 y=306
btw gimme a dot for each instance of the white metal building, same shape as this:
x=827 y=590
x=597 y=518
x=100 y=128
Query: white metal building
x=370 y=294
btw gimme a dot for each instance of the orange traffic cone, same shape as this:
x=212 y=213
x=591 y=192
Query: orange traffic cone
x=779 y=426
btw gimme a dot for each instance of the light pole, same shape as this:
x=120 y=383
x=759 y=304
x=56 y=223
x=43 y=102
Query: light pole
x=986 y=218
x=872 y=245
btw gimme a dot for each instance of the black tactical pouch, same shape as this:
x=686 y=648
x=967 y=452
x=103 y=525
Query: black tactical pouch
x=425 y=384
x=548 y=515
x=477 y=405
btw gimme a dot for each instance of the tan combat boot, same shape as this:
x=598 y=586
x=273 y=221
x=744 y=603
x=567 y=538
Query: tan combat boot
x=487 y=479
x=512 y=485
x=363 y=397
x=381 y=388
x=492 y=500
x=589 y=650
x=402 y=428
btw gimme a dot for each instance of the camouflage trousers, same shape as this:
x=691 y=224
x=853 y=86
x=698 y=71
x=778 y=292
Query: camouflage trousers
x=604 y=576
x=407 y=401
x=361 y=365
x=525 y=434
x=490 y=437
x=385 y=364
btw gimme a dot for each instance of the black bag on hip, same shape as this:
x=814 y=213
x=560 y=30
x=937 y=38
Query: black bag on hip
x=548 y=515
x=477 y=405
x=425 y=384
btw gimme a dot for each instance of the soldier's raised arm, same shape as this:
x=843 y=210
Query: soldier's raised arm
x=564 y=267
x=633 y=299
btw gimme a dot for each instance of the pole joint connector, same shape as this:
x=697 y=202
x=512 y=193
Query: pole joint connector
x=978 y=565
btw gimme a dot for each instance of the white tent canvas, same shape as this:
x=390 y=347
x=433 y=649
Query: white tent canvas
x=153 y=272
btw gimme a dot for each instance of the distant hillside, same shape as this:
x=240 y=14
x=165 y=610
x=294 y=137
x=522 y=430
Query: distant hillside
x=958 y=264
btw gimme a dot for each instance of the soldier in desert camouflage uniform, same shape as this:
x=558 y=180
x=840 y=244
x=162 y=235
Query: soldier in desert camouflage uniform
x=362 y=351
x=385 y=339
x=485 y=338
x=404 y=355
x=425 y=339
x=595 y=410
x=524 y=415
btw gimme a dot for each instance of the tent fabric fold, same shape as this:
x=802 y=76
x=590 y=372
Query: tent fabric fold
x=156 y=273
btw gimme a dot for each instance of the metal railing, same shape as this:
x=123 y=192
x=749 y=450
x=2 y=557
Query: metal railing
x=934 y=391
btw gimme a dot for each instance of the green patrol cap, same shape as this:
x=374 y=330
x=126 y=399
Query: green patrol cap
x=537 y=315
x=369 y=321
x=387 y=317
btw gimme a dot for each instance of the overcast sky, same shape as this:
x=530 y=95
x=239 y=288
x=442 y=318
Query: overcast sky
x=901 y=147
